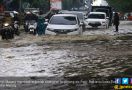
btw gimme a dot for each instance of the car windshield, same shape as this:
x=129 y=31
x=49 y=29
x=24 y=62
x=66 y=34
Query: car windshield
x=97 y=16
x=63 y=20
x=79 y=15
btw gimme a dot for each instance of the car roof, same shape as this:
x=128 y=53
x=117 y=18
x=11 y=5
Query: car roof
x=75 y=12
x=97 y=13
x=65 y=15
x=70 y=12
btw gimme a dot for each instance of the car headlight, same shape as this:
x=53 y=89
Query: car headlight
x=6 y=24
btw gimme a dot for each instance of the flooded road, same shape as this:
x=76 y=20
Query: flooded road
x=97 y=58
x=99 y=55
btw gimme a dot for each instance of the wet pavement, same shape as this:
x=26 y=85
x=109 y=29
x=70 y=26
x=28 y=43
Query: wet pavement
x=31 y=56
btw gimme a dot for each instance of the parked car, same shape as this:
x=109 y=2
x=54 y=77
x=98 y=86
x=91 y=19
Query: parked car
x=96 y=19
x=126 y=16
x=63 y=24
x=130 y=16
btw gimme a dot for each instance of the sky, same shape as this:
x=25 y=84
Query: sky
x=100 y=2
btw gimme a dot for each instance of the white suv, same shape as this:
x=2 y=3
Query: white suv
x=96 y=19
x=63 y=24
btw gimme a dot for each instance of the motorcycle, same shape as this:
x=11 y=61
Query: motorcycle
x=7 y=31
x=32 y=27
x=16 y=28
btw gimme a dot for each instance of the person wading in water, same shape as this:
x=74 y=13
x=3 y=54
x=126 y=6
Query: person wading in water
x=116 y=21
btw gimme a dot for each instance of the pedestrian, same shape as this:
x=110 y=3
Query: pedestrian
x=41 y=26
x=116 y=21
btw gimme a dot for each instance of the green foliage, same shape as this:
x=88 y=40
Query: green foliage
x=37 y=3
x=1 y=1
x=68 y=4
x=121 y=5
x=41 y=4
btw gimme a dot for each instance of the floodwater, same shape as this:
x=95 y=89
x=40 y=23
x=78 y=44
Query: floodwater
x=76 y=59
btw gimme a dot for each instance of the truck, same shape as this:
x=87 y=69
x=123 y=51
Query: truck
x=107 y=9
x=77 y=5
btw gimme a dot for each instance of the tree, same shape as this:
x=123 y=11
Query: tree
x=14 y=5
x=1 y=1
x=68 y=4
x=42 y=4
x=121 y=5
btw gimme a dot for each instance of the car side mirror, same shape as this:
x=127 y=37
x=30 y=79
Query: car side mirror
x=46 y=21
x=107 y=17
x=81 y=24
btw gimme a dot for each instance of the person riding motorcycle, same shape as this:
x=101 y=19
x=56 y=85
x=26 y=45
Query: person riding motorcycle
x=29 y=17
x=16 y=23
x=7 y=31
x=7 y=18
x=26 y=19
x=16 y=17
